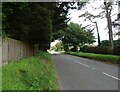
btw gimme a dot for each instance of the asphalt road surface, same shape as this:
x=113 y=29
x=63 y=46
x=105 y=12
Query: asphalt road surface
x=76 y=73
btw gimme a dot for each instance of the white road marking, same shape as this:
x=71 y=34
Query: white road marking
x=75 y=61
x=94 y=68
x=102 y=72
x=81 y=63
x=110 y=76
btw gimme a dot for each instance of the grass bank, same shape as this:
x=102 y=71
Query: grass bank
x=34 y=73
x=102 y=57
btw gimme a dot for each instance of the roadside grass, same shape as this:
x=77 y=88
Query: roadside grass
x=102 y=57
x=34 y=73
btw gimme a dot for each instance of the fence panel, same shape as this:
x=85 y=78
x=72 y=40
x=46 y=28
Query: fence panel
x=13 y=50
x=5 y=51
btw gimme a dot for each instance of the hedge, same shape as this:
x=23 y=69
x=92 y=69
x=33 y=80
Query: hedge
x=101 y=50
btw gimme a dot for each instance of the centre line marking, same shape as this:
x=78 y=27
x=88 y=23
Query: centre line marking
x=110 y=76
x=81 y=63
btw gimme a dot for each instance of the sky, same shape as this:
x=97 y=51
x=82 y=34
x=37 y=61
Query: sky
x=102 y=23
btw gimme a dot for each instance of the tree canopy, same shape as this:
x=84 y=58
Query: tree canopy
x=34 y=22
x=107 y=42
x=75 y=35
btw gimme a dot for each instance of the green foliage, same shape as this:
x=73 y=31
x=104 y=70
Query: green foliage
x=34 y=73
x=107 y=42
x=58 y=35
x=66 y=47
x=59 y=18
x=30 y=23
x=34 y=22
x=60 y=23
x=108 y=58
x=116 y=50
x=83 y=48
x=116 y=23
x=98 y=50
x=118 y=33
x=91 y=17
x=59 y=46
x=116 y=42
x=76 y=35
x=52 y=48
x=101 y=50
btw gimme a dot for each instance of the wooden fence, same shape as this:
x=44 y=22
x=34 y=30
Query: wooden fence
x=0 y=51
x=13 y=50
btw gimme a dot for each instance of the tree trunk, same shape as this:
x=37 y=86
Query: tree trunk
x=119 y=17
x=110 y=31
x=99 y=44
x=108 y=16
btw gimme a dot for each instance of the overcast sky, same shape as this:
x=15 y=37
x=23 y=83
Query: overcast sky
x=102 y=23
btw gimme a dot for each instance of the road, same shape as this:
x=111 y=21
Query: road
x=76 y=73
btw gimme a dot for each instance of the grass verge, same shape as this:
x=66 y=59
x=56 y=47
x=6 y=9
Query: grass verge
x=34 y=73
x=108 y=58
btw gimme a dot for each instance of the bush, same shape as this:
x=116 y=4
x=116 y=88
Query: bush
x=83 y=48
x=73 y=49
x=102 y=50
x=98 y=50
x=116 y=50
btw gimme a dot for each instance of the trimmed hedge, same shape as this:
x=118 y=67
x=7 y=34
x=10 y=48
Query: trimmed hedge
x=98 y=50
x=84 y=48
x=101 y=50
x=116 y=50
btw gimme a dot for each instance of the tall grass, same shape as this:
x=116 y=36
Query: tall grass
x=103 y=57
x=34 y=73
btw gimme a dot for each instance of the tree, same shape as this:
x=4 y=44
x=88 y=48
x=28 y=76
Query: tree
x=59 y=46
x=116 y=23
x=34 y=23
x=107 y=42
x=106 y=12
x=118 y=33
x=62 y=9
x=31 y=24
x=108 y=9
x=90 y=17
x=76 y=35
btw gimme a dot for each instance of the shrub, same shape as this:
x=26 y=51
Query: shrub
x=73 y=49
x=98 y=50
x=103 y=50
x=83 y=48
x=116 y=50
